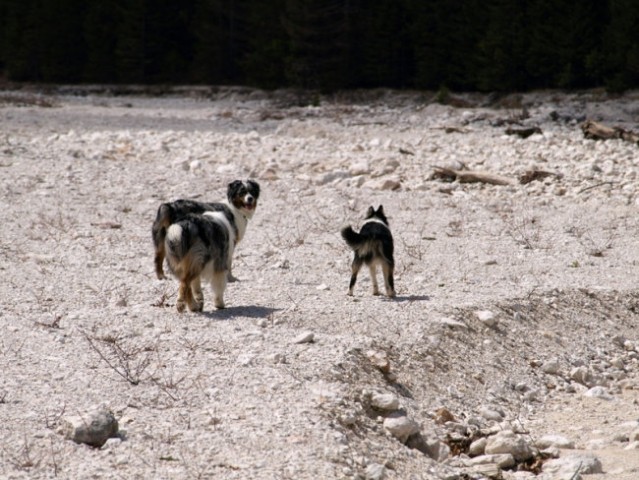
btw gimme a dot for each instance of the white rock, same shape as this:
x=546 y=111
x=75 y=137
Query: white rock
x=581 y=463
x=384 y=401
x=436 y=449
x=581 y=375
x=502 y=460
x=359 y=168
x=507 y=441
x=551 y=367
x=597 y=444
x=390 y=183
x=277 y=358
x=375 y=471
x=491 y=414
x=245 y=359
x=598 y=392
x=93 y=429
x=477 y=447
x=305 y=337
x=330 y=177
x=449 y=322
x=401 y=427
x=558 y=441
x=486 y=317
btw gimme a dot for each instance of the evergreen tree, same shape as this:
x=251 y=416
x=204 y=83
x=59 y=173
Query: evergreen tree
x=501 y=52
x=101 y=40
x=620 y=47
x=131 y=38
x=20 y=33
x=563 y=35
x=219 y=28
x=318 y=31
x=60 y=39
x=267 y=44
x=446 y=36
x=380 y=52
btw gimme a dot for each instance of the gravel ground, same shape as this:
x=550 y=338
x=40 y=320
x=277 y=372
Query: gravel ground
x=517 y=306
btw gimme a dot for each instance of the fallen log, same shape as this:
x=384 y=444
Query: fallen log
x=597 y=131
x=471 y=176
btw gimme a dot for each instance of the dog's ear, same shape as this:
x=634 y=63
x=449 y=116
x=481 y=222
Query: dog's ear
x=370 y=212
x=380 y=209
x=232 y=188
x=254 y=187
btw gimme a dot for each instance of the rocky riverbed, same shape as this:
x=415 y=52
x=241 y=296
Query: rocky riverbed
x=511 y=350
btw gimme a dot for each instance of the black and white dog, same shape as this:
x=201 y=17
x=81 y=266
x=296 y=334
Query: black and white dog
x=198 y=240
x=373 y=245
x=239 y=208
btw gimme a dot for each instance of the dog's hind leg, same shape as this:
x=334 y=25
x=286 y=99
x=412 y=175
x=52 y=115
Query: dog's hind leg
x=389 y=282
x=218 y=282
x=184 y=292
x=355 y=266
x=372 y=268
x=159 y=234
x=198 y=296
x=159 y=260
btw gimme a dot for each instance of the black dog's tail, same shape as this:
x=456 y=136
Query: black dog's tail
x=352 y=238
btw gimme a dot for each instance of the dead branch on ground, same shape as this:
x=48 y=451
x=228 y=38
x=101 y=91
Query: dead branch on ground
x=597 y=131
x=471 y=176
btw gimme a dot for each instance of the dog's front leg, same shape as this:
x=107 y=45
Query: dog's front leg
x=219 y=285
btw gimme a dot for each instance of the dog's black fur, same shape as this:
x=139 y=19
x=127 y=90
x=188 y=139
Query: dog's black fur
x=200 y=246
x=242 y=197
x=373 y=245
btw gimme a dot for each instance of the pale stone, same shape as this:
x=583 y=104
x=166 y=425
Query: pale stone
x=507 y=442
x=384 y=401
x=401 y=427
x=581 y=463
x=305 y=337
x=93 y=429
x=558 y=441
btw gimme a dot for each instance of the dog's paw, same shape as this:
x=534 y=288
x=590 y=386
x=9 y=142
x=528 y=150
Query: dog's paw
x=197 y=306
x=231 y=278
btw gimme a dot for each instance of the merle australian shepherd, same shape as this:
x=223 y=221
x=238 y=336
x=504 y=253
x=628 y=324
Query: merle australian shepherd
x=373 y=245
x=198 y=240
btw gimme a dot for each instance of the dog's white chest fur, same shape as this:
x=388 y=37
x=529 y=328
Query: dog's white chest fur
x=241 y=222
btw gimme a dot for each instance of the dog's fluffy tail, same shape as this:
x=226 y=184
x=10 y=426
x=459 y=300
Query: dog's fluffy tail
x=352 y=238
x=177 y=241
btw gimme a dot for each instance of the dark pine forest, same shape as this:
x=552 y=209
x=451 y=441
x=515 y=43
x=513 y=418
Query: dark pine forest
x=484 y=45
